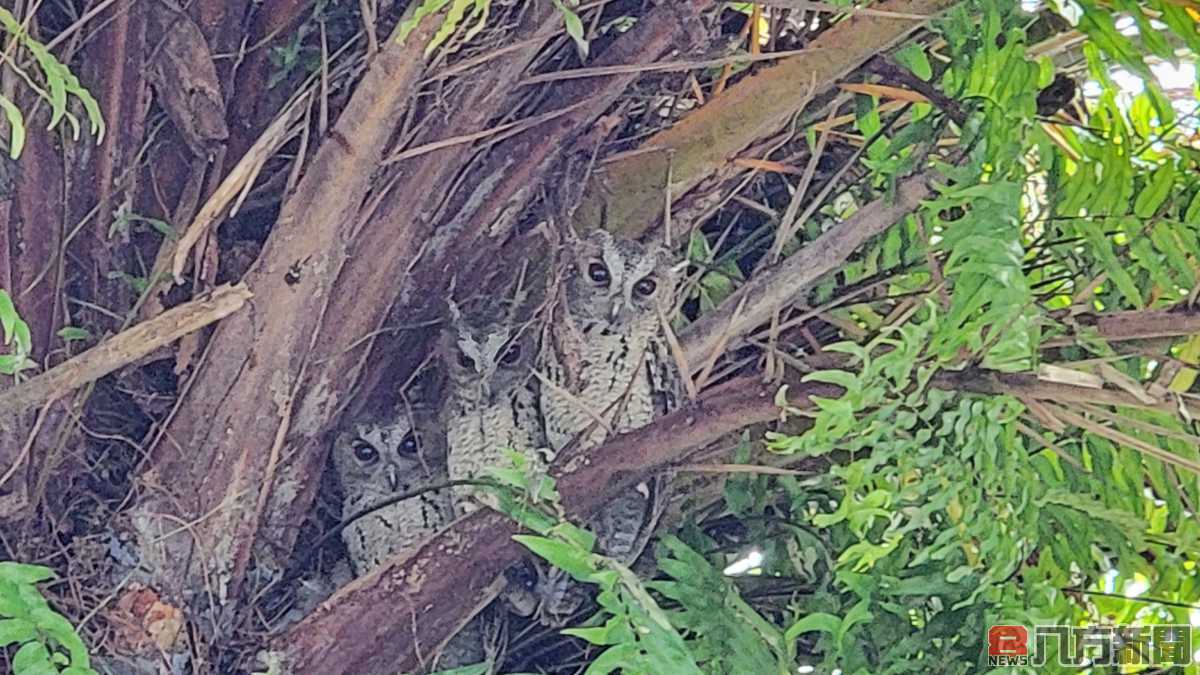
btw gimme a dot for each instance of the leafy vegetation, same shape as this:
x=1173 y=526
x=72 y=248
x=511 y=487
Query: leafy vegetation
x=46 y=641
x=58 y=83
x=943 y=513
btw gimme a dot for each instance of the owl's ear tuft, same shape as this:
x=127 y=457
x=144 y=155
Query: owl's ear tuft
x=426 y=388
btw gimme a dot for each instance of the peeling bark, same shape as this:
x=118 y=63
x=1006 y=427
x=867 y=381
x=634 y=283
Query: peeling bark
x=480 y=216
x=113 y=71
x=30 y=238
x=247 y=112
x=394 y=239
x=120 y=350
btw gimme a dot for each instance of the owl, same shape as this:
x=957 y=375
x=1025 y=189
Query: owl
x=606 y=359
x=491 y=398
x=379 y=458
x=605 y=353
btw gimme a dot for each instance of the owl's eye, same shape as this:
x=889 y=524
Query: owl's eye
x=645 y=287
x=364 y=451
x=511 y=355
x=466 y=361
x=598 y=273
x=409 y=446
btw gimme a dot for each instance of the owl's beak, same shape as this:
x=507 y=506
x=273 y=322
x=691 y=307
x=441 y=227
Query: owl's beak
x=393 y=477
x=616 y=309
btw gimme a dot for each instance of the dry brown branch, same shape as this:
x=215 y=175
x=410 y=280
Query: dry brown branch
x=1145 y=324
x=123 y=348
x=705 y=141
x=661 y=67
x=828 y=8
x=477 y=216
x=396 y=228
x=779 y=285
x=25 y=273
x=1027 y=386
x=237 y=183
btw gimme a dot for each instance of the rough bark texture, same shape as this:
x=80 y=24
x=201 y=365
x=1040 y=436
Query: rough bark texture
x=478 y=217
x=98 y=177
x=412 y=606
x=120 y=350
x=247 y=114
x=697 y=146
x=30 y=238
x=391 y=242
x=1023 y=385
x=219 y=454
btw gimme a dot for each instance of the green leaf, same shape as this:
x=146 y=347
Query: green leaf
x=20 y=573
x=474 y=669
x=1156 y=192
x=8 y=317
x=73 y=333
x=32 y=658
x=16 y=631
x=423 y=10
x=568 y=558
x=16 y=126
x=913 y=57
x=841 y=378
x=615 y=658
x=56 y=626
x=817 y=621
x=574 y=27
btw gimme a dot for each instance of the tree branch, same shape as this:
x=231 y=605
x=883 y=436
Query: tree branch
x=1026 y=385
x=630 y=191
x=219 y=453
x=410 y=602
x=122 y=349
x=780 y=285
x=1141 y=324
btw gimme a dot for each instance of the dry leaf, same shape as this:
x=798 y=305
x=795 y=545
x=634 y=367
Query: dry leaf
x=1130 y=385
x=1075 y=378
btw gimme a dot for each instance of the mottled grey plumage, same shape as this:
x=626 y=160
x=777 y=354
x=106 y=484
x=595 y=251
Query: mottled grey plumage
x=605 y=353
x=609 y=368
x=491 y=402
x=379 y=458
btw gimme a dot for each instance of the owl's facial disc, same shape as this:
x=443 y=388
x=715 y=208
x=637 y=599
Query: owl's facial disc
x=631 y=284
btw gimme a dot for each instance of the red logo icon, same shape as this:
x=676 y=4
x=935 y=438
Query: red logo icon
x=1008 y=641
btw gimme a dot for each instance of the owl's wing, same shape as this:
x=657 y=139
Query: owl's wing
x=666 y=386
